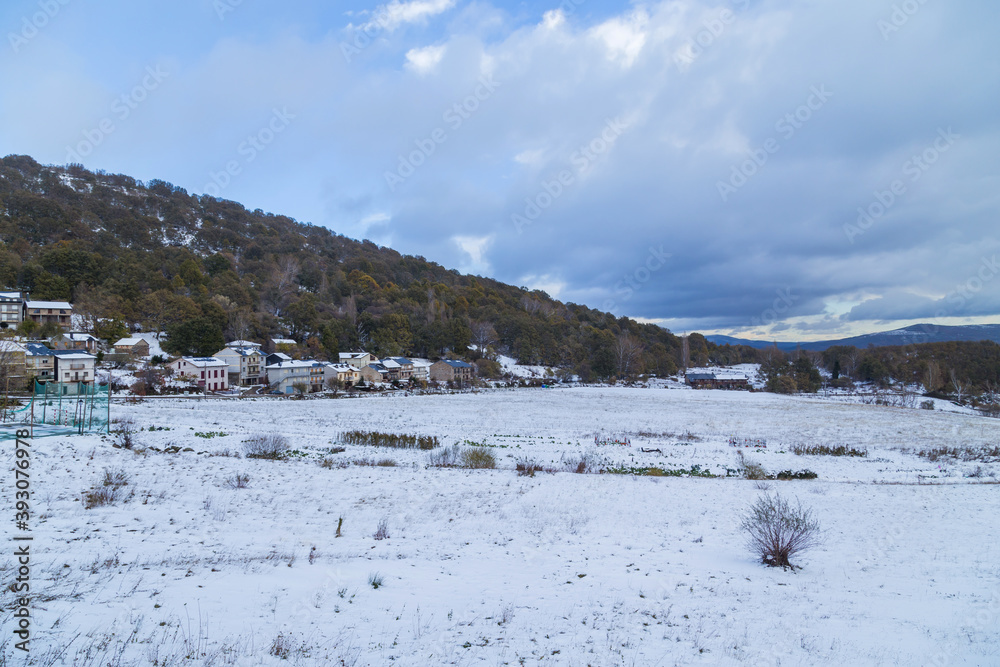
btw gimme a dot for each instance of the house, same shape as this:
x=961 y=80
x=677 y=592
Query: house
x=13 y=360
x=421 y=369
x=284 y=376
x=135 y=347
x=450 y=370
x=404 y=367
x=209 y=372
x=375 y=373
x=716 y=380
x=357 y=359
x=11 y=308
x=284 y=345
x=246 y=363
x=40 y=362
x=243 y=343
x=393 y=368
x=50 y=312
x=74 y=366
x=347 y=375
x=276 y=358
x=75 y=340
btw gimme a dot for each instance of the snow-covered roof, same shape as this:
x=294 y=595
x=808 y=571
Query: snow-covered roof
x=38 y=350
x=402 y=361
x=78 y=336
x=11 y=346
x=280 y=355
x=242 y=351
x=347 y=368
x=293 y=364
x=242 y=343
x=353 y=355
x=391 y=363
x=10 y=295
x=283 y=341
x=204 y=362
x=50 y=304
x=130 y=341
x=72 y=354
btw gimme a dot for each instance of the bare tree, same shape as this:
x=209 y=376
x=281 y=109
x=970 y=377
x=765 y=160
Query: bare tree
x=240 y=324
x=932 y=377
x=628 y=352
x=958 y=385
x=484 y=336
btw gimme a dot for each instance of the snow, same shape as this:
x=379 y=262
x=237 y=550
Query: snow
x=154 y=340
x=484 y=567
x=511 y=366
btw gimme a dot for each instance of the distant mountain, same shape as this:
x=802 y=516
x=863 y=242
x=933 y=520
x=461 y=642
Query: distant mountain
x=915 y=334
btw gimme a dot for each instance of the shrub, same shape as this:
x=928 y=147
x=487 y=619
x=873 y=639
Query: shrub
x=477 y=458
x=825 y=450
x=125 y=432
x=115 y=477
x=266 y=446
x=238 y=481
x=528 y=467
x=801 y=474
x=101 y=496
x=382 y=531
x=777 y=531
x=375 y=580
x=749 y=469
x=445 y=458
x=376 y=439
x=926 y=405
x=581 y=465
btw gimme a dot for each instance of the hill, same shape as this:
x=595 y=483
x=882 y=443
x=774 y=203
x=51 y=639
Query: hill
x=149 y=255
x=912 y=335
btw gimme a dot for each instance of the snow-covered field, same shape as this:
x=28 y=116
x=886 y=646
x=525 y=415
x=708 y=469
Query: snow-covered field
x=485 y=567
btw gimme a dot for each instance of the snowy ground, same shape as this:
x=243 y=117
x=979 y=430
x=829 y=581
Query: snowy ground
x=485 y=567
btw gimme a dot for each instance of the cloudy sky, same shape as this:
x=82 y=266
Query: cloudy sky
x=779 y=169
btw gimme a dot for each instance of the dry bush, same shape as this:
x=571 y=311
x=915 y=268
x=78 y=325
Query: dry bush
x=114 y=477
x=528 y=467
x=776 y=530
x=445 y=458
x=281 y=647
x=748 y=468
x=269 y=446
x=382 y=531
x=238 y=481
x=101 y=496
x=477 y=458
x=582 y=465
x=125 y=432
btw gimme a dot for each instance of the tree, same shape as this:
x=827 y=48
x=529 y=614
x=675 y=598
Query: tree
x=628 y=352
x=200 y=337
x=958 y=385
x=484 y=337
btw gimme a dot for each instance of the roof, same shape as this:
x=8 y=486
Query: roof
x=72 y=353
x=76 y=336
x=402 y=361
x=708 y=375
x=280 y=355
x=10 y=295
x=130 y=341
x=242 y=351
x=353 y=355
x=377 y=367
x=242 y=343
x=203 y=361
x=39 y=350
x=294 y=364
x=391 y=363
x=11 y=346
x=283 y=341
x=50 y=304
x=454 y=363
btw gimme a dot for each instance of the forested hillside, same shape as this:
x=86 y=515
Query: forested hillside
x=129 y=254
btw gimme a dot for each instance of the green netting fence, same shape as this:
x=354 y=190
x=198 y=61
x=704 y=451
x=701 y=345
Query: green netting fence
x=60 y=408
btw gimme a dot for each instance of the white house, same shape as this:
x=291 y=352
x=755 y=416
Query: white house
x=347 y=374
x=421 y=369
x=211 y=373
x=357 y=359
x=73 y=366
x=283 y=376
x=246 y=363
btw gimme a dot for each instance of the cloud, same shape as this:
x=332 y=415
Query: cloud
x=424 y=60
x=395 y=14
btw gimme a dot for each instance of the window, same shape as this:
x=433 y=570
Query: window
x=203 y=375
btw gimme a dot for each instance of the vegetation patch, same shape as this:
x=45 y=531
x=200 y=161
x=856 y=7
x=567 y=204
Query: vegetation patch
x=397 y=441
x=270 y=446
x=694 y=471
x=825 y=450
